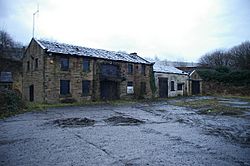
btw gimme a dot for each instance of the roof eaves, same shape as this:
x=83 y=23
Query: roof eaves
x=40 y=44
x=170 y=72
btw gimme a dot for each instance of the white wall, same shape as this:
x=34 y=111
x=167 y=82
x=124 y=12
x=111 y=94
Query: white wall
x=177 y=78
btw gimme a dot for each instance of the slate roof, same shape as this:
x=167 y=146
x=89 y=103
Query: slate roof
x=67 y=49
x=167 y=69
x=6 y=77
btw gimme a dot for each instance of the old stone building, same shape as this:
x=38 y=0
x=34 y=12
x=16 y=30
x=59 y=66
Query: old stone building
x=194 y=80
x=195 y=83
x=55 y=72
x=170 y=81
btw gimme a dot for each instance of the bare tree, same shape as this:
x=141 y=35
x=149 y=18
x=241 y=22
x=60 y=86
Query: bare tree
x=216 y=59
x=5 y=40
x=241 y=55
x=9 y=48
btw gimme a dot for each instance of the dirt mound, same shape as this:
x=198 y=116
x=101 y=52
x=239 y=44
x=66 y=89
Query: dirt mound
x=74 y=122
x=120 y=120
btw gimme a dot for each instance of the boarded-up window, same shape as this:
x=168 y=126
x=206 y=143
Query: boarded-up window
x=64 y=63
x=130 y=69
x=130 y=88
x=64 y=87
x=179 y=86
x=85 y=87
x=172 y=86
x=86 y=65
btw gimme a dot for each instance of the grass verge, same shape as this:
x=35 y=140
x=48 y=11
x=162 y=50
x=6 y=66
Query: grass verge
x=29 y=107
x=211 y=106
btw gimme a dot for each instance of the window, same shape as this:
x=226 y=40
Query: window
x=143 y=88
x=130 y=83
x=109 y=70
x=85 y=87
x=86 y=65
x=130 y=88
x=130 y=69
x=172 y=86
x=28 y=66
x=36 y=63
x=179 y=86
x=64 y=87
x=143 y=69
x=64 y=63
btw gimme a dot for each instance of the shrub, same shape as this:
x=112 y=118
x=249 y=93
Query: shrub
x=10 y=102
x=227 y=76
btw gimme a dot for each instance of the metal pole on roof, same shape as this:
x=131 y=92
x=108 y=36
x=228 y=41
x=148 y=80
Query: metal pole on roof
x=34 y=14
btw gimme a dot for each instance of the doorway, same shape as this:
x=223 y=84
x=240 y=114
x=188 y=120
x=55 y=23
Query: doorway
x=195 y=87
x=109 y=90
x=163 y=87
x=31 y=90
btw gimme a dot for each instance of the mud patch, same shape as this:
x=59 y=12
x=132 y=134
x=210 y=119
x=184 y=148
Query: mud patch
x=120 y=120
x=161 y=110
x=242 y=137
x=74 y=122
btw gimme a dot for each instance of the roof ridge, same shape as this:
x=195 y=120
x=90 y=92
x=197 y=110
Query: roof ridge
x=70 y=49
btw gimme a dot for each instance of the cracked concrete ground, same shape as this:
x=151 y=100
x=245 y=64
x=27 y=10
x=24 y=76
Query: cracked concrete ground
x=155 y=133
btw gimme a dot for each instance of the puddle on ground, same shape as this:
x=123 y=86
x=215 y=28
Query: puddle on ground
x=74 y=122
x=120 y=120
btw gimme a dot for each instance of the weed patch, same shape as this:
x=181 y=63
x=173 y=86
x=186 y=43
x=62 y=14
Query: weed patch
x=211 y=107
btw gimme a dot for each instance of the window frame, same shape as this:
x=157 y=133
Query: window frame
x=86 y=91
x=180 y=85
x=64 y=92
x=84 y=69
x=62 y=64
x=172 y=86
x=130 y=69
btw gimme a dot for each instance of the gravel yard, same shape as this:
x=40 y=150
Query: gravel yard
x=152 y=133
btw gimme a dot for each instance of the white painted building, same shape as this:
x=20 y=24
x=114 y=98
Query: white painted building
x=170 y=81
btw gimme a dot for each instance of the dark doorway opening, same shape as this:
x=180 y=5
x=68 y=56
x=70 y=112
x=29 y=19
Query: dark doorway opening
x=31 y=90
x=109 y=90
x=163 y=87
x=195 y=87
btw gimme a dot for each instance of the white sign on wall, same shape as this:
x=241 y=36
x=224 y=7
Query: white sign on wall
x=130 y=90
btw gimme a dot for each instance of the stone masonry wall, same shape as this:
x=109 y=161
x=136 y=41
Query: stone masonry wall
x=53 y=75
x=33 y=76
x=75 y=74
x=46 y=77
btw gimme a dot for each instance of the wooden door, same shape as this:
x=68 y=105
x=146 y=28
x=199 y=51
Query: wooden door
x=195 y=87
x=163 y=87
x=109 y=90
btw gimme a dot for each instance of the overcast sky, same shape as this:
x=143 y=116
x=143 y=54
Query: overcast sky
x=180 y=30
